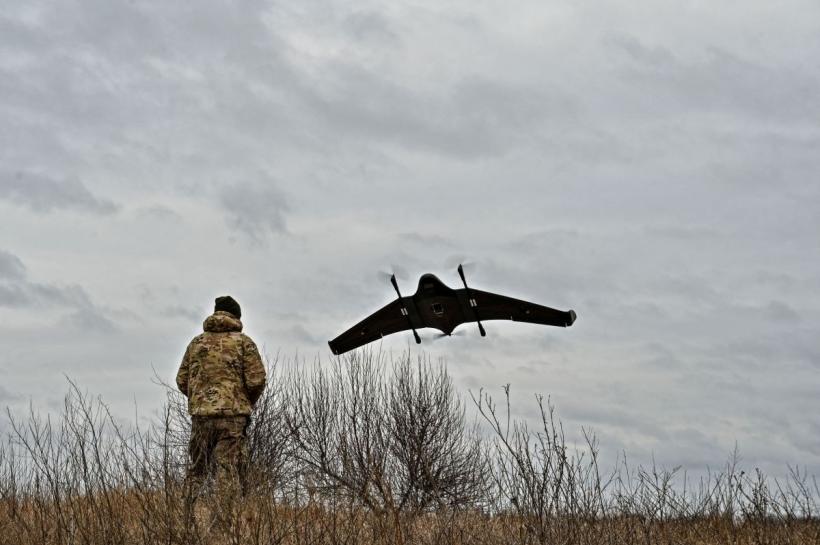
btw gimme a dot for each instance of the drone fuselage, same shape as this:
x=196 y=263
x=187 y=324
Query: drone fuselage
x=438 y=305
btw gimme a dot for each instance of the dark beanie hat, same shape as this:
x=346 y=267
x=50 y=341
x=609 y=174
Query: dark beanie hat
x=228 y=304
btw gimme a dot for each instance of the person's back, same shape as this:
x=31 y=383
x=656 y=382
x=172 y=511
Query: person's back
x=222 y=376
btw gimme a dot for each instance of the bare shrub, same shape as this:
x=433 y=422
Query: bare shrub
x=394 y=443
x=560 y=495
x=272 y=464
x=436 y=459
x=66 y=478
x=535 y=474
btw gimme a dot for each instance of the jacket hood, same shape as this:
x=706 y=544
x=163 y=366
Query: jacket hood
x=221 y=322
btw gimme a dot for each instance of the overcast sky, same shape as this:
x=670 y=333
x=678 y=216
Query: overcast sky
x=651 y=164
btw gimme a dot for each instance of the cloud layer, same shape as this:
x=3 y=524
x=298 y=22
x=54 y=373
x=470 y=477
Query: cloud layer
x=650 y=165
x=42 y=194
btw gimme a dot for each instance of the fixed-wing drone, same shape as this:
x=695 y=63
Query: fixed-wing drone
x=438 y=306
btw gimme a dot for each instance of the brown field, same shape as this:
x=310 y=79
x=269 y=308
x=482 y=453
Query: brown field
x=372 y=451
x=135 y=518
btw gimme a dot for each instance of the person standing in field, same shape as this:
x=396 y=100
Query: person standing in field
x=222 y=376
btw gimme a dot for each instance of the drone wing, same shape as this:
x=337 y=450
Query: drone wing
x=491 y=306
x=389 y=319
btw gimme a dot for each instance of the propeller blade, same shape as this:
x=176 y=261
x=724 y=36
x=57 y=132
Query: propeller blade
x=469 y=265
x=395 y=270
x=400 y=272
x=439 y=336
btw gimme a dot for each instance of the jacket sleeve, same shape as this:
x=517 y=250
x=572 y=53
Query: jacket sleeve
x=254 y=370
x=182 y=374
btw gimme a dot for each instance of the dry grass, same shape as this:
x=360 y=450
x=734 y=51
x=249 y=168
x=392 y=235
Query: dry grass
x=371 y=451
x=257 y=519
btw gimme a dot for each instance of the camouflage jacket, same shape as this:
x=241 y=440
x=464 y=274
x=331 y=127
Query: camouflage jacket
x=221 y=373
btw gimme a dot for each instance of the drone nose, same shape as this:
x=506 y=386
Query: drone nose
x=572 y=317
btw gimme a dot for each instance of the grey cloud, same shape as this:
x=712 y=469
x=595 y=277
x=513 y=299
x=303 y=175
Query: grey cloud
x=119 y=30
x=808 y=439
x=425 y=239
x=779 y=280
x=496 y=105
x=7 y=396
x=71 y=296
x=683 y=232
x=13 y=296
x=722 y=81
x=255 y=210
x=370 y=26
x=89 y=319
x=159 y=212
x=656 y=56
x=769 y=314
x=86 y=83
x=290 y=316
x=661 y=357
x=150 y=294
x=691 y=288
x=23 y=294
x=526 y=369
x=43 y=194
x=781 y=312
x=557 y=263
x=11 y=267
x=471 y=382
x=179 y=311
x=302 y=334
x=476 y=117
x=17 y=291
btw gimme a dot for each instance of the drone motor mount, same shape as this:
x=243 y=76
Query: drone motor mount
x=471 y=301
x=404 y=309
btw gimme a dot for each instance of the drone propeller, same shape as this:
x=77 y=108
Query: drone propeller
x=472 y=301
x=454 y=261
x=396 y=270
x=392 y=279
x=439 y=336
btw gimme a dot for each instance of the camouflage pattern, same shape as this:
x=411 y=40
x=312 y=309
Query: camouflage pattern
x=218 y=442
x=221 y=373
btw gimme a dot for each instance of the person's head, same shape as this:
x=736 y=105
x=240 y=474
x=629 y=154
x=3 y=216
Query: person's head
x=227 y=303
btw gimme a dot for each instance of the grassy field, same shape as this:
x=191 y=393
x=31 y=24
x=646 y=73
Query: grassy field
x=371 y=451
x=165 y=518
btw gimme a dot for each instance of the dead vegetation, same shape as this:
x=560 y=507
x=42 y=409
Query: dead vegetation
x=369 y=450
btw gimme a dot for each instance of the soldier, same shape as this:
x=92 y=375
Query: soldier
x=222 y=376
